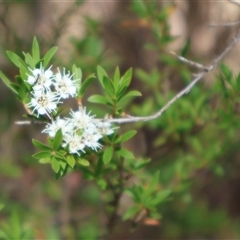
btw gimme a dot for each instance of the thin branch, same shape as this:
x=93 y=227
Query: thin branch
x=196 y=79
x=229 y=24
x=187 y=61
x=29 y=122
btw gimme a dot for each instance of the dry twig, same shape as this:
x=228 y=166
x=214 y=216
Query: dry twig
x=196 y=79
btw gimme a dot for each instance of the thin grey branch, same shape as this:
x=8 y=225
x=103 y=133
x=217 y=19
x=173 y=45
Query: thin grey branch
x=191 y=63
x=29 y=122
x=196 y=79
x=229 y=24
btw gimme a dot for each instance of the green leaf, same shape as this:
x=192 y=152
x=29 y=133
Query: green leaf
x=1 y=206
x=35 y=51
x=43 y=154
x=85 y=84
x=132 y=211
x=23 y=72
x=29 y=60
x=77 y=73
x=7 y=82
x=60 y=156
x=15 y=224
x=130 y=94
x=77 y=77
x=40 y=145
x=102 y=183
x=153 y=184
x=226 y=71
x=14 y=58
x=98 y=99
x=126 y=136
x=121 y=92
x=63 y=164
x=17 y=60
x=139 y=8
x=83 y=162
x=143 y=75
x=48 y=56
x=107 y=155
x=141 y=163
x=186 y=48
x=57 y=140
x=108 y=86
x=44 y=160
x=71 y=161
x=161 y=196
x=116 y=79
x=126 y=79
x=125 y=153
x=133 y=93
x=55 y=165
x=101 y=73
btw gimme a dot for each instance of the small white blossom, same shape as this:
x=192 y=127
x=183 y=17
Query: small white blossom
x=64 y=85
x=40 y=79
x=91 y=138
x=104 y=127
x=43 y=103
x=74 y=142
x=52 y=128
x=81 y=119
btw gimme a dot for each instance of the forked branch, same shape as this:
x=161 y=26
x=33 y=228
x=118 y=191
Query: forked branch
x=195 y=80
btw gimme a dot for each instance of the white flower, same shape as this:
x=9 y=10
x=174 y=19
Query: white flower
x=43 y=103
x=81 y=119
x=40 y=79
x=104 y=127
x=74 y=142
x=64 y=85
x=52 y=128
x=91 y=138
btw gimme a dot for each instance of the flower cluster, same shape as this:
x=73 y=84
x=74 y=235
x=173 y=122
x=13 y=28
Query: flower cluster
x=48 y=89
x=80 y=130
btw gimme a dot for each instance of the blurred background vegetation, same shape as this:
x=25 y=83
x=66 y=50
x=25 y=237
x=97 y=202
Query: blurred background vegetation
x=195 y=143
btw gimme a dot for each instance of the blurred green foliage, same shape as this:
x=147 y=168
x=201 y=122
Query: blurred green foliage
x=194 y=145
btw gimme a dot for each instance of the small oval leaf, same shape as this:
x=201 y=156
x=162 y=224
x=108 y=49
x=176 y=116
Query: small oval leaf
x=35 y=51
x=83 y=162
x=107 y=155
x=98 y=99
x=57 y=141
x=48 y=56
x=125 y=153
x=43 y=154
x=126 y=136
x=45 y=160
x=40 y=145
x=71 y=161
x=55 y=165
x=130 y=212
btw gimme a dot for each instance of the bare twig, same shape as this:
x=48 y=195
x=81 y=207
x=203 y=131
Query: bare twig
x=196 y=79
x=229 y=24
x=29 y=122
x=187 y=61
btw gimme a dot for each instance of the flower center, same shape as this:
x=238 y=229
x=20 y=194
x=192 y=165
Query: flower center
x=42 y=101
x=41 y=79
